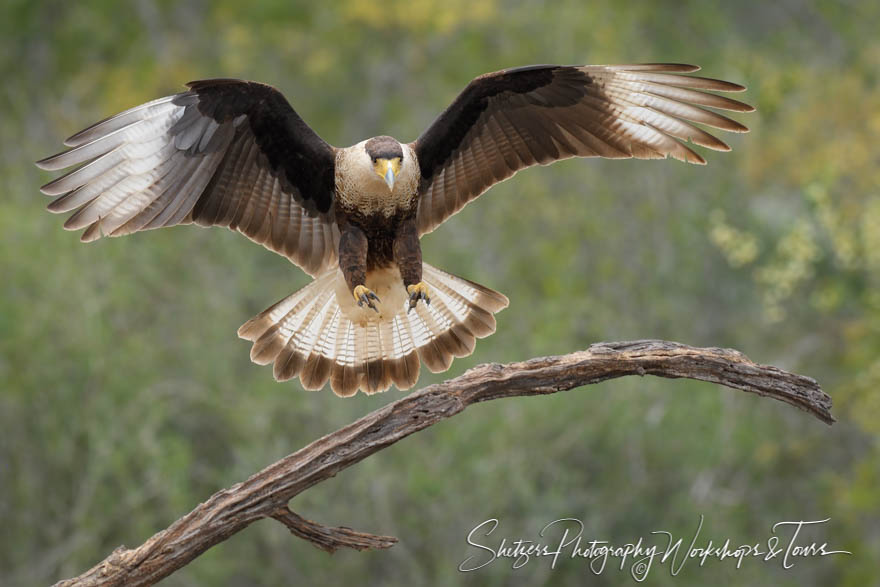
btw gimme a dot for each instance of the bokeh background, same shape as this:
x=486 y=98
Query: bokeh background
x=126 y=397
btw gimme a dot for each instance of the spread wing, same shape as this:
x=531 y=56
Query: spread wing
x=225 y=153
x=508 y=120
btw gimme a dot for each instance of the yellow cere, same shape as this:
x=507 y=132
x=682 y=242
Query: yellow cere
x=381 y=166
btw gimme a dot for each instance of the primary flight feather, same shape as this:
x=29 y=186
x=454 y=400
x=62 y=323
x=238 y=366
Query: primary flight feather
x=234 y=153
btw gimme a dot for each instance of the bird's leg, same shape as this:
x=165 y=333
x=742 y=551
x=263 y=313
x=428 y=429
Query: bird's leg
x=353 y=248
x=408 y=256
x=418 y=291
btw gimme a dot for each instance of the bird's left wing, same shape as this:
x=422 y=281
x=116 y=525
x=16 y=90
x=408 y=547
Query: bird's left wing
x=508 y=120
x=226 y=153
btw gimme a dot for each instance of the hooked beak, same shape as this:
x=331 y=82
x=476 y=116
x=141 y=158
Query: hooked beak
x=389 y=178
x=387 y=170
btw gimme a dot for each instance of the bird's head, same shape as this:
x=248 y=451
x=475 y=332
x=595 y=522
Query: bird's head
x=386 y=155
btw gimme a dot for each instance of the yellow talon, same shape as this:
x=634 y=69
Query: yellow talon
x=364 y=295
x=417 y=291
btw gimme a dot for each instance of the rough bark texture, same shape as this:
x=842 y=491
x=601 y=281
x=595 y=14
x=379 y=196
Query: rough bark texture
x=265 y=494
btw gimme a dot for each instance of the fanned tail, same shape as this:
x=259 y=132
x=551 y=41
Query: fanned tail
x=320 y=334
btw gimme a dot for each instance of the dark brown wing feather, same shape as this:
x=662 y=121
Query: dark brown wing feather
x=226 y=153
x=508 y=120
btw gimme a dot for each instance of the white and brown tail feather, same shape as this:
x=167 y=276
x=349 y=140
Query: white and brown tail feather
x=320 y=334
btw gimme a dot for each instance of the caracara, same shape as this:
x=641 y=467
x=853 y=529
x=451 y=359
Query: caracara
x=234 y=153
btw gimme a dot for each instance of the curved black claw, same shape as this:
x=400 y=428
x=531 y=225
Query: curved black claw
x=364 y=295
x=418 y=291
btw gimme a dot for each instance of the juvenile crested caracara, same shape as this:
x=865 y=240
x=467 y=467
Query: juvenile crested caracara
x=234 y=153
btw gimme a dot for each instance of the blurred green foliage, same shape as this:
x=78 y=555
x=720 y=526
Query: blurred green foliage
x=126 y=398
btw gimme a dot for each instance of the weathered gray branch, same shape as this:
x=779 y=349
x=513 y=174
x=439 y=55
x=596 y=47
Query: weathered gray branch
x=330 y=539
x=266 y=494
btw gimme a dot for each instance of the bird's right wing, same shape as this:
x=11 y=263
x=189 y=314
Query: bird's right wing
x=225 y=153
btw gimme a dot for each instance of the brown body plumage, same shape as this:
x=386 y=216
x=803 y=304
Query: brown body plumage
x=235 y=154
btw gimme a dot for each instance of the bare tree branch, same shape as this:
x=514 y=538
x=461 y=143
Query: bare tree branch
x=330 y=539
x=265 y=494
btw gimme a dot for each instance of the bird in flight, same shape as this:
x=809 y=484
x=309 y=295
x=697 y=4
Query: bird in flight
x=234 y=153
